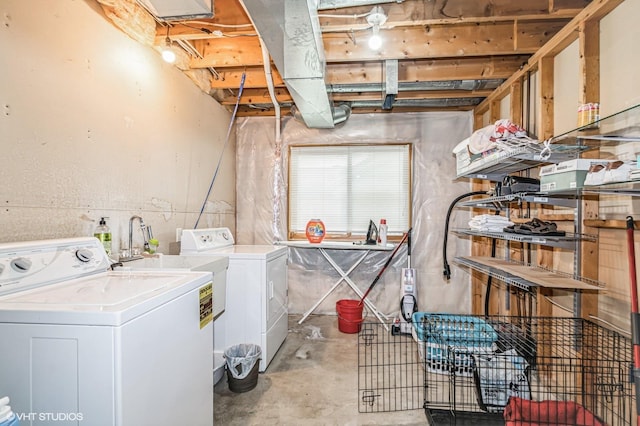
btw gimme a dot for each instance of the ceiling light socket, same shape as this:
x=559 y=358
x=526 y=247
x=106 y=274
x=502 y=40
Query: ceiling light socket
x=377 y=16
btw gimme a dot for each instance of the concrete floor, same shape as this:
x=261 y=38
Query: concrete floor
x=312 y=380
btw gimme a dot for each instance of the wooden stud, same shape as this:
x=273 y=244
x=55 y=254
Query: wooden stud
x=545 y=97
x=440 y=42
x=589 y=45
x=589 y=61
x=516 y=102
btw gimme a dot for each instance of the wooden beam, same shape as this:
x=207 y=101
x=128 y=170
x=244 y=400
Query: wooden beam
x=440 y=41
x=589 y=46
x=187 y=32
x=442 y=69
x=595 y=11
x=610 y=223
x=459 y=10
x=491 y=39
x=329 y=26
x=495 y=115
x=477 y=121
x=245 y=111
x=544 y=254
x=230 y=78
x=228 y=52
x=545 y=97
x=257 y=96
x=589 y=62
x=229 y=17
x=371 y=72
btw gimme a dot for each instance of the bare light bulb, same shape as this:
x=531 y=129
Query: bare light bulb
x=168 y=56
x=167 y=52
x=375 y=41
x=376 y=18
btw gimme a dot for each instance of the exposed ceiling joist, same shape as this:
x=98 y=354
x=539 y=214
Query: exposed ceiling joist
x=433 y=41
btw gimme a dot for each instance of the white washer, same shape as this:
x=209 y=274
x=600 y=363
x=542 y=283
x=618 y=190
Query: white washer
x=85 y=345
x=256 y=307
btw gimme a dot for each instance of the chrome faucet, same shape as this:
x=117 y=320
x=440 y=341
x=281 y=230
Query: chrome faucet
x=131 y=232
x=146 y=234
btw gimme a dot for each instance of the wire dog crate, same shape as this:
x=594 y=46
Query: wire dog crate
x=476 y=370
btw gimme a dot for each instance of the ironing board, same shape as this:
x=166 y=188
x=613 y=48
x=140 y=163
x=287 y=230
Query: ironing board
x=344 y=275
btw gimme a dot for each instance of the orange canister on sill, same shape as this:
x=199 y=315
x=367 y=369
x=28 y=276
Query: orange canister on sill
x=315 y=231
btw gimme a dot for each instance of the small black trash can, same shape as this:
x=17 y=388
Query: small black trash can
x=243 y=361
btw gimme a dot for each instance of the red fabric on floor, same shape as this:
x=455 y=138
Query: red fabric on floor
x=524 y=412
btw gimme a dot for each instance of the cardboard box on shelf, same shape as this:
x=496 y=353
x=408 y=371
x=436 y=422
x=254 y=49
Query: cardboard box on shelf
x=567 y=174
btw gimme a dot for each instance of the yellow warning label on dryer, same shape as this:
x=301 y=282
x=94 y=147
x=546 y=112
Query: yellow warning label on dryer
x=206 y=304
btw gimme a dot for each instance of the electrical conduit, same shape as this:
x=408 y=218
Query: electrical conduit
x=266 y=62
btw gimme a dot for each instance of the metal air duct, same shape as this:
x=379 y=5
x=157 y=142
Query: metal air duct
x=291 y=31
x=168 y=10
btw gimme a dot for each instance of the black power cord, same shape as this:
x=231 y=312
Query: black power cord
x=489 y=278
x=447 y=269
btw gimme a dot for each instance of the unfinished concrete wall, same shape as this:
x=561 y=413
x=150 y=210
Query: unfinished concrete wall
x=95 y=124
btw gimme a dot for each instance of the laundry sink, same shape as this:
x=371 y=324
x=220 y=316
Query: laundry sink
x=217 y=265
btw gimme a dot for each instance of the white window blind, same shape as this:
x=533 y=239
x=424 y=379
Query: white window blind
x=345 y=186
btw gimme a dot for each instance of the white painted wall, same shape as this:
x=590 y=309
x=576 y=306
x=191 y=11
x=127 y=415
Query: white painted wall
x=505 y=107
x=95 y=124
x=620 y=58
x=566 y=89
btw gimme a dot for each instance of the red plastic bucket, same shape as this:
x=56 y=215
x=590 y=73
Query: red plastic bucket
x=349 y=315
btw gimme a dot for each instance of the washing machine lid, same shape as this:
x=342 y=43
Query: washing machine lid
x=107 y=299
x=261 y=252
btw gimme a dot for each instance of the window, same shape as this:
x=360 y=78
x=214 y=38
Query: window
x=345 y=186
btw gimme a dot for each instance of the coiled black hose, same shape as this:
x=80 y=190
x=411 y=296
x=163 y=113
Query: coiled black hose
x=446 y=268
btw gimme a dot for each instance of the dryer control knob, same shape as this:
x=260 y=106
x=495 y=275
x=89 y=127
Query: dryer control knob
x=84 y=255
x=21 y=264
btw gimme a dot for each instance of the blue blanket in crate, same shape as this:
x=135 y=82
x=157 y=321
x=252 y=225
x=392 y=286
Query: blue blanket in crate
x=446 y=342
x=452 y=329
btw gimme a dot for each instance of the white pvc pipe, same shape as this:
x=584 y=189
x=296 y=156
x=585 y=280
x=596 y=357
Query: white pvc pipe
x=266 y=61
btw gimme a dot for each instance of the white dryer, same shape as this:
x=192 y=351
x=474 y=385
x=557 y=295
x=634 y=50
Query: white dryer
x=82 y=344
x=256 y=307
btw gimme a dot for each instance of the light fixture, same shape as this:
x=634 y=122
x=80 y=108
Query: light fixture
x=168 y=54
x=376 y=18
